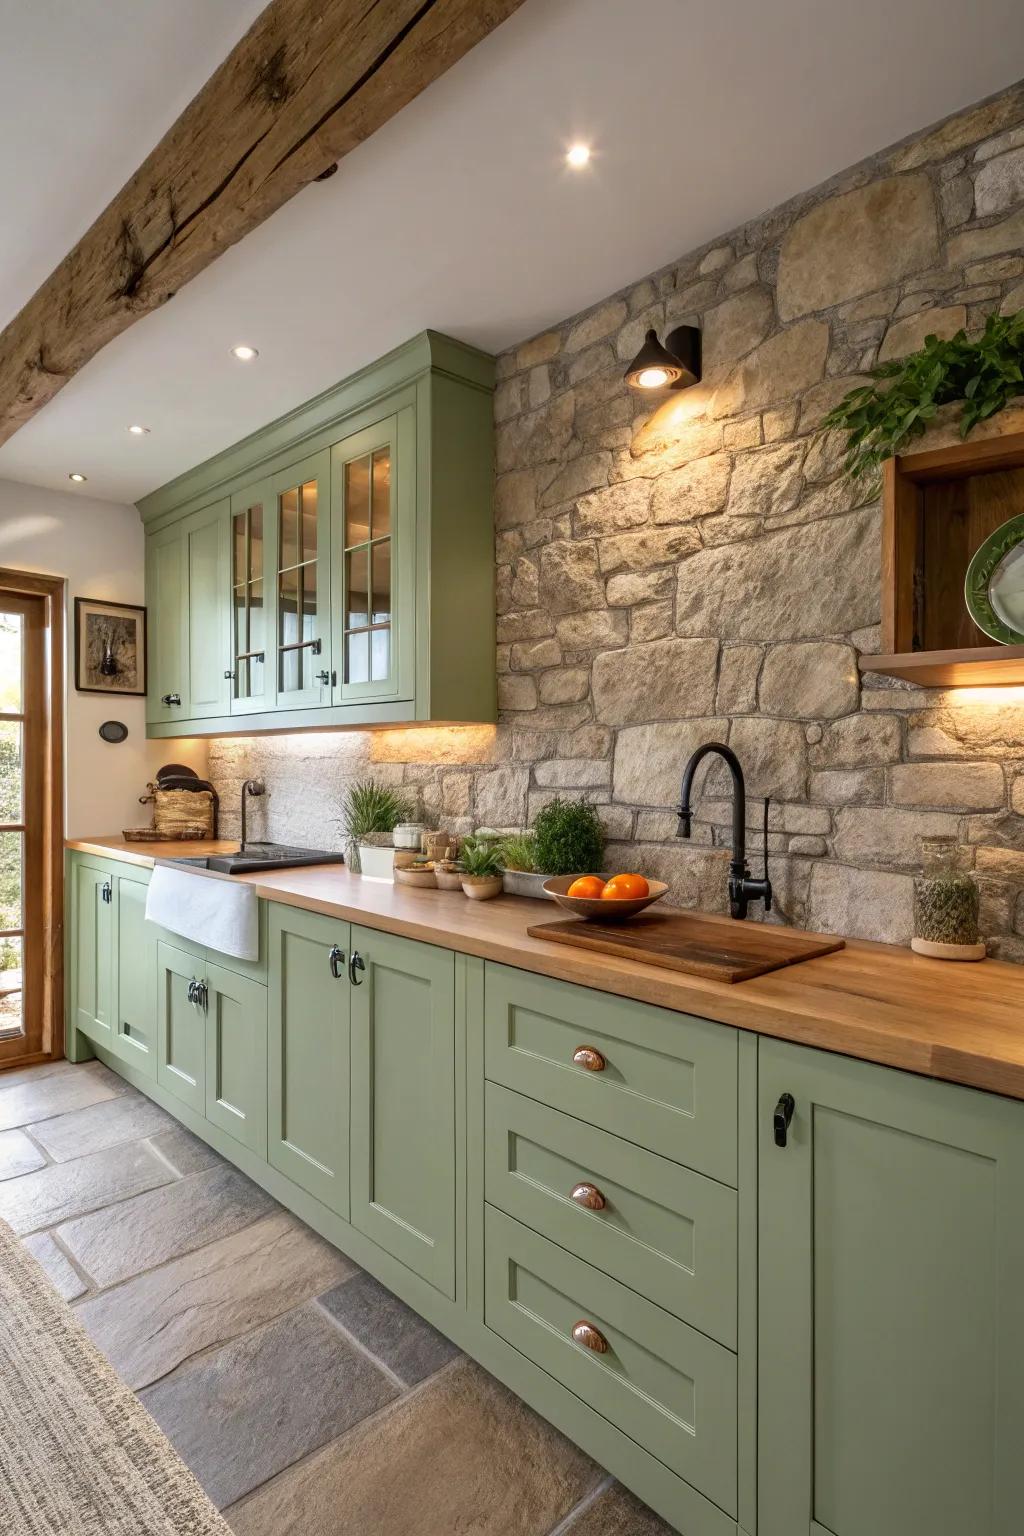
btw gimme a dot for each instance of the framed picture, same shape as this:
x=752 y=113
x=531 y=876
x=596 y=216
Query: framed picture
x=110 y=647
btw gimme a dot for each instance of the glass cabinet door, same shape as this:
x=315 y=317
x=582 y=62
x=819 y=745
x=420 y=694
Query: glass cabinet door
x=302 y=637
x=372 y=480
x=250 y=676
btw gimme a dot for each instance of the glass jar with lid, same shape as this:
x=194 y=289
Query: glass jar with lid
x=945 y=903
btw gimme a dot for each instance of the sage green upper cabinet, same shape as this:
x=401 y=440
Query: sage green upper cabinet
x=403 y=1101
x=891 y=1254
x=337 y=567
x=187 y=602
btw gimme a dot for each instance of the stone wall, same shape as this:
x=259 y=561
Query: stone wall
x=700 y=570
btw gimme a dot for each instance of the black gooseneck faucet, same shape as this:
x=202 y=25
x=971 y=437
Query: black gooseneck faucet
x=743 y=888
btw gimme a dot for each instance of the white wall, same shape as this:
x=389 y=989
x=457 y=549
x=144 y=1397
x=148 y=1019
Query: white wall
x=97 y=546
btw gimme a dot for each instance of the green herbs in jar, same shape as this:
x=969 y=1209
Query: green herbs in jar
x=945 y=895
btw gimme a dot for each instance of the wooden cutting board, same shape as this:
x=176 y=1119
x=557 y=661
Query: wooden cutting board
x=700 y=945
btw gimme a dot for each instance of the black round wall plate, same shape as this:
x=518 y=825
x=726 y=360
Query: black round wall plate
x=113 y=731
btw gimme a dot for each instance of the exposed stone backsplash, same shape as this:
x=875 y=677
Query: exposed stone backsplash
x=701 y=571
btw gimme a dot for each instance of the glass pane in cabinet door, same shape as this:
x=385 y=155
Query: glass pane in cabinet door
x=357 y=502
x=10 y=662
x=309 y=504
x=357 y=657
x=10 y=771
x=380 y=585
x=11 y=844
x=356 y=588
x=289 y=554
x=257 y=618
x=288 y=607
x=239 y=555
x=381 y=493
x=10 y=985
x=255 y=543
x=309 y=602
x=380 y=654
x=291 y=671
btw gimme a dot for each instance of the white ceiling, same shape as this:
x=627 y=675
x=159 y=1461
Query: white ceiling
x=460 y=214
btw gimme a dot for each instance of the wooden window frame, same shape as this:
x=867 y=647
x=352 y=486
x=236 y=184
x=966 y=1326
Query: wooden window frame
x=51 y=589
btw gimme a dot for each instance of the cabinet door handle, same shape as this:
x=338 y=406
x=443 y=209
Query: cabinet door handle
x=324 y=678
x=782 y=1117
x=336 y=959
x=107 y=892
x=167 y=699
x=202 y=995
x=192 y=986
x=589 y=1196
x=228 y=675
x=586 y=1057
x=590 y=1337
x=356 y=964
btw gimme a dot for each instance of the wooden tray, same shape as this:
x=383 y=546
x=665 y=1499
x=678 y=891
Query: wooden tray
x=702 y=946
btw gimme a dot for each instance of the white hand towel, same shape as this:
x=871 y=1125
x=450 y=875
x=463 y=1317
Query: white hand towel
x=217 y=913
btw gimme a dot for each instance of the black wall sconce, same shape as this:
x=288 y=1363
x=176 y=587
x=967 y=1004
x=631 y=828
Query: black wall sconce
x=676 y=365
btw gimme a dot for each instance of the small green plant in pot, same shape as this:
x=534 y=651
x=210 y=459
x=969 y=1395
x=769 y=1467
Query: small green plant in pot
x=518 y=854
x=372 y=812
x=569 y=838
x=481 y=868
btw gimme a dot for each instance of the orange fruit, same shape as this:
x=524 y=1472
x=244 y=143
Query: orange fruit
x=591 y=886
x=625 y=888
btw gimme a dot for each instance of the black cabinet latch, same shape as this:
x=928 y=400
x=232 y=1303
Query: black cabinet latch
x=782 y=1117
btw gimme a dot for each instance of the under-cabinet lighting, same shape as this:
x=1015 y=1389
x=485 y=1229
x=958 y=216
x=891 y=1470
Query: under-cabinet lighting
x=244 y=353
x=76 y=477
x=138 y=431
x=578 y=155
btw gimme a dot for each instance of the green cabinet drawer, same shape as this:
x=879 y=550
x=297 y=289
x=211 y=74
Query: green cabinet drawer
x=664 y=1080
x=665 y=1385
x=661 y=1229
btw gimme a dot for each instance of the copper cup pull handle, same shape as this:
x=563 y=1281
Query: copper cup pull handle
x=585 y=1056
x=586 y=1334
x=589 y=1196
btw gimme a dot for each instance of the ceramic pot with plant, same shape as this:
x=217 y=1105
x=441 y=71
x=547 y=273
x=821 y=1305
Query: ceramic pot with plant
x=481 y=868
x=519 y=872
x=372 y=812
x=568 y=838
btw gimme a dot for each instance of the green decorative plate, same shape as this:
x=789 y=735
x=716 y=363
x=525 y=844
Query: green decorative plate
x=994 y=585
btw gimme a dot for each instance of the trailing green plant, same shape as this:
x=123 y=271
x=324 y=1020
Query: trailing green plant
x=480 y=857
x=569 y=838
x=519 y=852
x=374 y=808
x=880 y=419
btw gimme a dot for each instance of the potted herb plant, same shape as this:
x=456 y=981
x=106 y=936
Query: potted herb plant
x=519 y=872
x=568 y=838
x=481 y=868
x=372 y=812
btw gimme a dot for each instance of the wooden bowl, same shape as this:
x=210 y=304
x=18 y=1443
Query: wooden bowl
x=424 y=877
x=595 y=908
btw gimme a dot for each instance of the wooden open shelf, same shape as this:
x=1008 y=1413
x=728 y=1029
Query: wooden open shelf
x=938 y=506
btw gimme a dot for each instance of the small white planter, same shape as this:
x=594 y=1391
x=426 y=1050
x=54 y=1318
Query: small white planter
x=377 y=863
x=523 y=882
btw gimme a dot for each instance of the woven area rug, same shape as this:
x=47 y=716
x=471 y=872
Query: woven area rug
x=79 y=1455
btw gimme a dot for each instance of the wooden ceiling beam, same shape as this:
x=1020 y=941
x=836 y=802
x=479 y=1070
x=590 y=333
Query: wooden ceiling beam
x=309 y=81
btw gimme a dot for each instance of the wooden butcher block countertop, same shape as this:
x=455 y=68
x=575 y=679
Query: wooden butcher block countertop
x=963 y=1023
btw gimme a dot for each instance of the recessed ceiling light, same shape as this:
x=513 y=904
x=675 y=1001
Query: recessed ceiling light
x=138 y=431
x=578 y=155
x=77 y=478
x=244 y=353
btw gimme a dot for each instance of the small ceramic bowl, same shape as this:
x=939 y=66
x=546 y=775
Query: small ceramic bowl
x=448 y=879
x=481 y=887
x=595 y=908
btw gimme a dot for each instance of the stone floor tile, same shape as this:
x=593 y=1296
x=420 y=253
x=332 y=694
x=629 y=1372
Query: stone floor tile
x=127 y=1118
x=617 y=1512
x=54 y=1093
x=62 y=1190
x=406 y=1343
x=149 y=1325
x=459 y=1455
x=18 y=1155
x=62 y=1273
x=240 y=1415
x=147 y=1230
x=37 y=1071
x=185 y=1153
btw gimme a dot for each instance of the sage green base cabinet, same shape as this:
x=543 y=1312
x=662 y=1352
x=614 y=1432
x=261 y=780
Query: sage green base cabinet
x=892 y=1319
x=586 y=1194
x=309 y=1053
x=403 y=1101
x=336 y=568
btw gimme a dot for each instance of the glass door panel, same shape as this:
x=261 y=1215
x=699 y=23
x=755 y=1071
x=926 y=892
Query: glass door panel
x=250 y=675
x=22 y=811
x=302 y=585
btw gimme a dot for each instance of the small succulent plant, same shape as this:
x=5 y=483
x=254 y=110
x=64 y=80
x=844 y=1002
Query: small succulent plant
x=480 y=858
